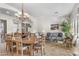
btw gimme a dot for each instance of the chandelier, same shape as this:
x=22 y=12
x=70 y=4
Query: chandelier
x=24 y=19
x=22 y=15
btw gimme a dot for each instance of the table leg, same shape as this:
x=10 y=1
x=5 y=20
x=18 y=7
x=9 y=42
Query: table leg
x=31 y=50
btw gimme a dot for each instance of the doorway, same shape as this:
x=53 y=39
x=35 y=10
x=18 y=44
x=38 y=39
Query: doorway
x=3 y=30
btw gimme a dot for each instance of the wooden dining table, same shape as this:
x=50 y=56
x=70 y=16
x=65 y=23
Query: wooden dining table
x=24 y=41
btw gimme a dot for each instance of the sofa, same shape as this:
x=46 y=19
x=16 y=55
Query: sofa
x=55 y=36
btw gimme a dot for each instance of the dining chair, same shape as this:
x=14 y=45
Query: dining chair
x=68 y=42
x=20 y=46
x=8 y=43
x=40 y=45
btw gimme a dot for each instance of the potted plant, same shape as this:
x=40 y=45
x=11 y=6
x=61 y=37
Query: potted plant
x=66 y=26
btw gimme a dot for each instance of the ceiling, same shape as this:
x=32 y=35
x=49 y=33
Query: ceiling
x=7 y=11
x=45 y=9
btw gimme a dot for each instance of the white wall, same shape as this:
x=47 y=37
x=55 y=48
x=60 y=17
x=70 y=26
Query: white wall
x=43 y=23
x=11 y=27
x=9 y=22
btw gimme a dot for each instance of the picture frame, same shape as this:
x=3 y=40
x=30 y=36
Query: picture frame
x=54 y=26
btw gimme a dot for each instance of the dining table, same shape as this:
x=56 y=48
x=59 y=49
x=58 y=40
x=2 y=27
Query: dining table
x=23 y=41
